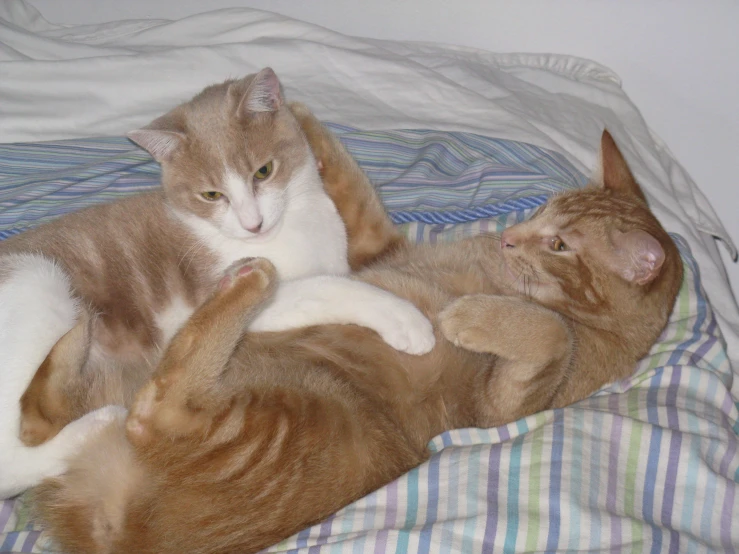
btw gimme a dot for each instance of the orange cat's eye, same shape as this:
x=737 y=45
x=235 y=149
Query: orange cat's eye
x=264 y=171
x=211 y=195
x=558 y=245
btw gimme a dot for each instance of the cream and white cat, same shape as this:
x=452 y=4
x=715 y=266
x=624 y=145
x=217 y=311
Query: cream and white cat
x=117 y=281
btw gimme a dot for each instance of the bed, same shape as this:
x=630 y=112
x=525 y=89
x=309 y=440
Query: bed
x=457 y=141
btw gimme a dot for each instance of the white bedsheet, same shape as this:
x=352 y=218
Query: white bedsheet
x=80 y=81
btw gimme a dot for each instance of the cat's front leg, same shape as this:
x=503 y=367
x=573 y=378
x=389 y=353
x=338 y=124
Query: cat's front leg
x=326 y=300
x=510 y=327
x=534 y=346
x=45 y=405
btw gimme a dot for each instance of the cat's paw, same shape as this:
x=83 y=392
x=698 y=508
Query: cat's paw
x=163 y=410
x=245 y=283
x=139 y=422
x=460 y=325
x=405 y=328
x=258 y=270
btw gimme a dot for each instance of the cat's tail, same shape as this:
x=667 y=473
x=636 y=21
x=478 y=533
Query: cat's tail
x=84 y=510
x=370 y=232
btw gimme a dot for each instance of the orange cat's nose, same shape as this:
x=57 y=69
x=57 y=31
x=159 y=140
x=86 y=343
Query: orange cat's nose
x=506 y=240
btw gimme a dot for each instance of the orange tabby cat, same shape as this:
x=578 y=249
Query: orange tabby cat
x=241 y=440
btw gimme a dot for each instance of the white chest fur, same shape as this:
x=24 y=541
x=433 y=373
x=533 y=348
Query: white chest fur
x=310 y=240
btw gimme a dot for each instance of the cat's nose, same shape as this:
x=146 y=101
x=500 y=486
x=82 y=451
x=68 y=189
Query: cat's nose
x=256 y=228
x=506 y=241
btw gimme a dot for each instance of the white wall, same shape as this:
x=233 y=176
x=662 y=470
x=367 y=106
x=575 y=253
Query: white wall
x=679 y=59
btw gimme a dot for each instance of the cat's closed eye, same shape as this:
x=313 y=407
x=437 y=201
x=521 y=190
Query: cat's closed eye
x=557 y=244
x=212 y=195
x=264 y=171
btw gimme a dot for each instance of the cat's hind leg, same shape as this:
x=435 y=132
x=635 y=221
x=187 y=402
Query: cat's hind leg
x=47 y=404
x=37 y=307
x=534 y=346
x=187 y=385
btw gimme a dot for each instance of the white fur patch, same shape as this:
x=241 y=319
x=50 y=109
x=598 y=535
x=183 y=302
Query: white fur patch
x=243 y=212
x=171 y=318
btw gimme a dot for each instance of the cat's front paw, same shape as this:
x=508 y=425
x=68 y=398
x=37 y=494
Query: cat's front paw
x=406 y=329
x=259 y=271
x=461 y=325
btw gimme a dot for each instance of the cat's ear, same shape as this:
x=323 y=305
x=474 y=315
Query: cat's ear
x=160 y=138
x=638 y=256
x=264 y=94
x=613 y=172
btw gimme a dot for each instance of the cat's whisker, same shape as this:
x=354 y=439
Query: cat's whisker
x=192 y=252
x=537 y=282
x=195 y=245
x=299 y=194
x=184 y=256
x=202 y=245
x=521 y=276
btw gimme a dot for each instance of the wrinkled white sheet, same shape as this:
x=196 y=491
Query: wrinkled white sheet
x=79 y=81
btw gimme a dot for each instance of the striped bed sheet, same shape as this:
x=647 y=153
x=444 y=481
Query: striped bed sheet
x=426 y=177
x=649 y=464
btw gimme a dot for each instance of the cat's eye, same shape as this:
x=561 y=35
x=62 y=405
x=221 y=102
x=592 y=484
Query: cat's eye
x=212 y=195
x=264 y=171
x=558 y=245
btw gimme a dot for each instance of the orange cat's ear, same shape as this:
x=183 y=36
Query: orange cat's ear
x=638 y=256
x=160 y=138
x=614 y=172
x=264 y=94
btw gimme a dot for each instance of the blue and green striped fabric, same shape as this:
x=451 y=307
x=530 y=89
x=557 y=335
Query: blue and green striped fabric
x=650 y=464
x=425 y=177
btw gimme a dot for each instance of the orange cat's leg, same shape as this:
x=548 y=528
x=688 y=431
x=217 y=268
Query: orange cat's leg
x=534 y=347
x=46 y=406
x=186 y=387
x=370 y=232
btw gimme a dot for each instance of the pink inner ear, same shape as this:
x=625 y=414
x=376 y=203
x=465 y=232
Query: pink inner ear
x=640 y=256
x=160 y=144
x=264 y=93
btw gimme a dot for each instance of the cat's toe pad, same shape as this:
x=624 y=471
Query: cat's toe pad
x=265 y=272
